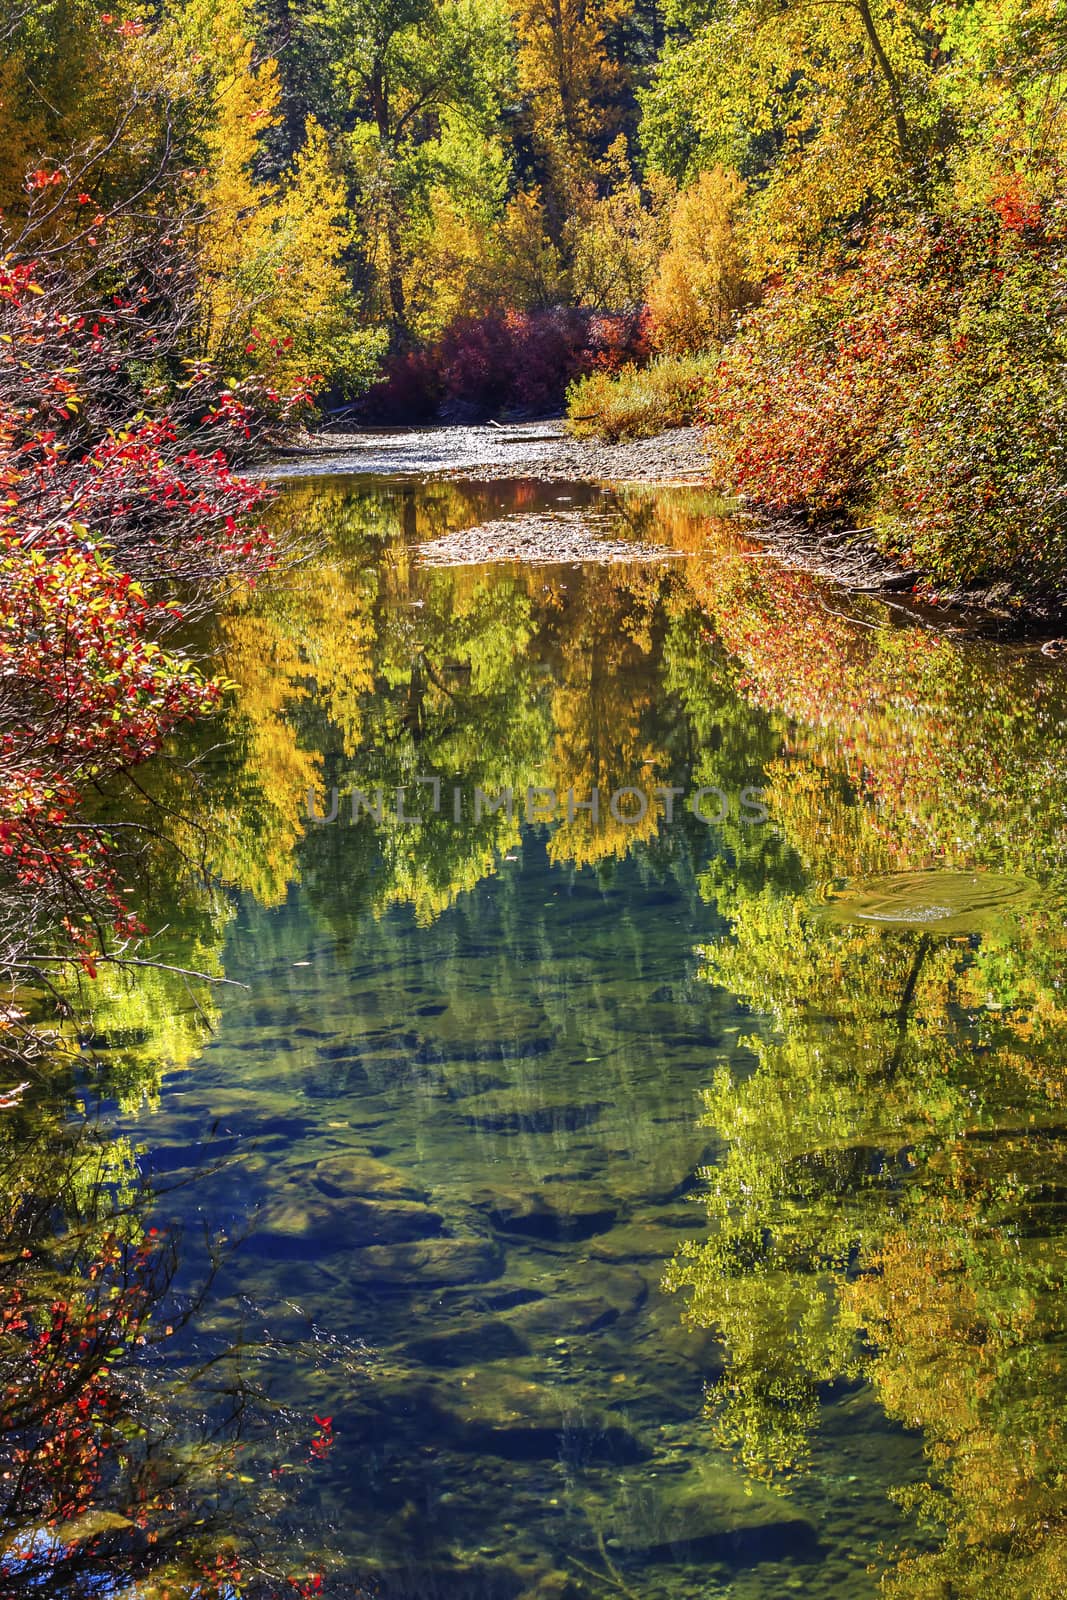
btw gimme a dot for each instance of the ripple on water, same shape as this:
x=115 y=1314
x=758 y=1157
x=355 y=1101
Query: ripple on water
x=941 y=901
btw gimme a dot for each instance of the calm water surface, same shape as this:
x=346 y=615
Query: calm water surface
x=660 y=1206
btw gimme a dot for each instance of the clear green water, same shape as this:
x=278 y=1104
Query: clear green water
x=487 y=1077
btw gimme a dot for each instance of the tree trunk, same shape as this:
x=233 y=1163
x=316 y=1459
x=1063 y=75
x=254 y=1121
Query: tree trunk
x=896 y=99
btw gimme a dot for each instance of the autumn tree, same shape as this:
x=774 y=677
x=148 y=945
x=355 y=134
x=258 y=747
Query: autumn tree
x=615 y=239
x=572 y=85
x=702 y=280
x=421 y=83
x=276 y=294
x=830 y=105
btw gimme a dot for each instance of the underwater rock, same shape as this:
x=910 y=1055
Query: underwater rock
x=427 y=1263
x=504 y=1296
x=296 y=1223
x=504 y=1414
x=440 y=1578
x=556 y=1211
x=561 y=1314
x=600 y=1296
x=337 y=1052
x=553 y=1586
x=352 y=1172
x=706 y=1513
x=499 y=1113
x=621 y=1287
x=525 y=1048
x=645 y=1241
x=367 y=1221
x=488 y=1339
x=356 y=1222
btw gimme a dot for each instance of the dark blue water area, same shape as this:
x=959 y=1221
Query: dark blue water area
x=451 y=1159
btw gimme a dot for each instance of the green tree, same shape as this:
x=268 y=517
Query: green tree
x=422 y=83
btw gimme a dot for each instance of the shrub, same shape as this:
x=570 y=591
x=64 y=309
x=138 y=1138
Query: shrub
x=640 y=401
x=104 y=512
x=520 y=362
x=409 y=389
x=476 y=362
x=922 y=376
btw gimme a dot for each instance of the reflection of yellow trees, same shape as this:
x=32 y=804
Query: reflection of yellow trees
x=883 y=1209
x=886 y=1204
x=149 y=1020
x=939 y=740
x=364 y=669
x=256 y=833
x=969 y=1327
x=603 y=714
x=152 y=1021
x=885 y=731
x=341 y=653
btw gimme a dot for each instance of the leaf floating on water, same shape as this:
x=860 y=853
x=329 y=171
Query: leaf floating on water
x=937 y=901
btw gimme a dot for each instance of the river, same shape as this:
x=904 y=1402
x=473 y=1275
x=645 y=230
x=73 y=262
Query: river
x=659 y=1195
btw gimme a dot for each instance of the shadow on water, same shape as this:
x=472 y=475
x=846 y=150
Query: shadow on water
x=499 y=1070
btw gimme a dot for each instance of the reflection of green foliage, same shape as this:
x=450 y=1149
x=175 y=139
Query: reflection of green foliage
x=873 y=1214
x=882 y=1209
x=139 y=1020
x=885 y=1164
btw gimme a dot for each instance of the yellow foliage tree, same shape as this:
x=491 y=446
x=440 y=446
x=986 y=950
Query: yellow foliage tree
x=527 y=268
x=276 y=295
x=702 y=280
x=447 y=273
x=570 y=82
x=616 y=240
x=21 y=136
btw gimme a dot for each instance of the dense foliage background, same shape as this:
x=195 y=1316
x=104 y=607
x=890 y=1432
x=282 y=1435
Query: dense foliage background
x=850 y=214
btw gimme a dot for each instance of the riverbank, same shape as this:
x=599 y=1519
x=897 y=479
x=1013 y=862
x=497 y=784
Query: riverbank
x=544 y=453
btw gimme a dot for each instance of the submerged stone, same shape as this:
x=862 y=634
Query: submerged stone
x=556 y=1211
x=427 y=1263
x=505 y=1414
x=354 y=1173
x=706 y=1513
x=640 y=1241
x=563 y=1314
x=600 y=1296
x=499 y=1113
x=366 y=1221
x=295 y=1224
x=489 y=1339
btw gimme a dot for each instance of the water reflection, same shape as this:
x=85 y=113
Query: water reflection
x=472 y=1058
x=133 y=1439
x=889 y=1209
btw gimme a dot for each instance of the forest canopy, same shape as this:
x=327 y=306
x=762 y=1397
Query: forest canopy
x=431 y=159
x=849 y=216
